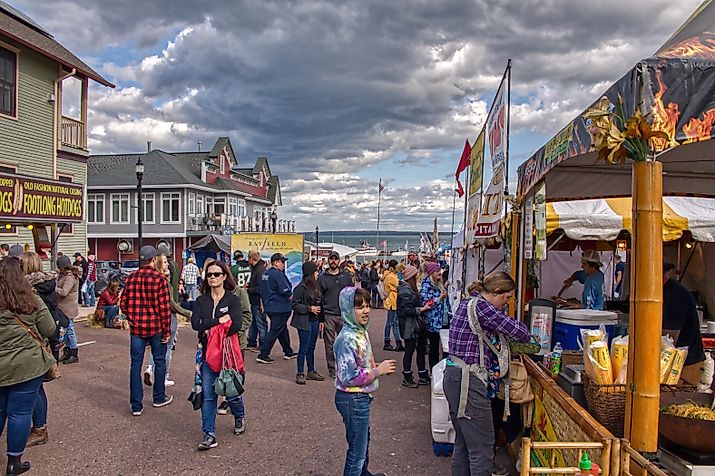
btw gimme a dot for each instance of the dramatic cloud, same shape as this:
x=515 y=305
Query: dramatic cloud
x=342 y=92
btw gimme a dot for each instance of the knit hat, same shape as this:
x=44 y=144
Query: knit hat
x=309 y=268
x=432 y=267
x=16 y=251
x=409 y=272
x=63 y=262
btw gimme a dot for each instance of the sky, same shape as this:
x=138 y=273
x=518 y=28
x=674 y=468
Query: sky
x=341 y=94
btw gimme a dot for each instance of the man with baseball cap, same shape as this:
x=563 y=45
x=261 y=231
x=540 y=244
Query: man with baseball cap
x=331 y=282
x=147 y=304
x=592 y=278
x=276 y=291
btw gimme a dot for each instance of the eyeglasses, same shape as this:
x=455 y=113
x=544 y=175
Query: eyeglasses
x=214 y=275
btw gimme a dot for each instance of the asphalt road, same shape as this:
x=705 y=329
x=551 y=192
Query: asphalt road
x=291 y=429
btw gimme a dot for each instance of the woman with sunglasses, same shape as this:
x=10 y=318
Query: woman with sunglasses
x=216 y=305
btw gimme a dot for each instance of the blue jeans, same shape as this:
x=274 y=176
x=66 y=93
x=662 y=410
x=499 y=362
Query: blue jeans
x=70 y=337
x=259 y=327
x=110 y=312
x=355 y=410
x=89 y=298
x=208 y=409
x=191 y=291
x=172 y=341
x=308 y=339
x=16 y=405
x=136 y=390
x=39 y=414
x=393 y=324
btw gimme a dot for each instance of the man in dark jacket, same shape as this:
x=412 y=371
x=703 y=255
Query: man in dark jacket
x=331 y=282
x=276 y=291
x=80 y=262
x=259 y=327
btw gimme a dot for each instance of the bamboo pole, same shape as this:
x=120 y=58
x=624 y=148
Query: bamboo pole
x=525 y=456
x=643 y=386
x=514 y=260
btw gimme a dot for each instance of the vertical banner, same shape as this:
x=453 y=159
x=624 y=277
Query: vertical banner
x=529 y=227
x=492 y=207
x=473 y=205
x=540 y=219
x=476 y=170
x=496 y=127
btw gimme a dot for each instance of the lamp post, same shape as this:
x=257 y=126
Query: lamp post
x=317 y=246
x=139 y=169
x=274 y=218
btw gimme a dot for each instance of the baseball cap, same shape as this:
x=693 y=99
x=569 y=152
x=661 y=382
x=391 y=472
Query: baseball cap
x=237 y=253
x=16 y=251
x=334 y=254
x=147 y=252
x=77 y=255
x=278 y=257
x=591 y=256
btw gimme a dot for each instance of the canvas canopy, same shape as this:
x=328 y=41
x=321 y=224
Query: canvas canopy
x=676 y=87
x=603 y=219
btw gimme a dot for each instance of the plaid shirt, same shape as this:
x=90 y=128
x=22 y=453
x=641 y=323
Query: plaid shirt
x=463 y=343
x=146 y=302
x=190 y=273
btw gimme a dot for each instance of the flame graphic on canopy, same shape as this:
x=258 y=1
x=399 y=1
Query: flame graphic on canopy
x=665 y=119
x=697 y=130
x=695 y=47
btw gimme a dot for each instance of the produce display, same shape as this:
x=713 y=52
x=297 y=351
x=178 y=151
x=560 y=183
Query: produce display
x=690 y=410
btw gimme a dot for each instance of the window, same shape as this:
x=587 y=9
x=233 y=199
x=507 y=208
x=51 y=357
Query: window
x=120 y=208
x=215 y=205
x=242 y=208
x=222 y=163
x=148 y=201
x=170 y=204
x=200 y=210
x=8 y=82
x=95 y=208
x=192 y=204
x=233 y=206
x=5 y=169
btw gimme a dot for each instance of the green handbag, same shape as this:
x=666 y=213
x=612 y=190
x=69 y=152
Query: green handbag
x=229 y=382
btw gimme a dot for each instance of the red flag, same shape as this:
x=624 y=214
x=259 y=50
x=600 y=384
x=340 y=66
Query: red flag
x=463 y=164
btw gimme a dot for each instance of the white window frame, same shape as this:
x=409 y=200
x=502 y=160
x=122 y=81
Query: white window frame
x=119 y=197
x=200 y=205
x=233 y=206
x=16 y=106
x=211 y=203
x=170 y=196
x=149 y=196
x=192 y=204
x=241 y=207
x=92 y=201
x=222 y=164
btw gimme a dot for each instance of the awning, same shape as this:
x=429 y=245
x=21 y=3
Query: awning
x=214 y=243
x=603 y=219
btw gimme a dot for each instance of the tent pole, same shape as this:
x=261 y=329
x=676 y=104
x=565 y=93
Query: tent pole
x=643 y=381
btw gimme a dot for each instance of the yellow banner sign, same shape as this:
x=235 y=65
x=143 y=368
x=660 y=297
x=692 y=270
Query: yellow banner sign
x=289 y=245
x=38 y=199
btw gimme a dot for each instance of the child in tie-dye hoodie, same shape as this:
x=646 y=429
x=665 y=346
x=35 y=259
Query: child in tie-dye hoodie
x=356 y=377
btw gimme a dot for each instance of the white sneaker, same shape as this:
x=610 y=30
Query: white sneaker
x=149 y=376
x=168 y=383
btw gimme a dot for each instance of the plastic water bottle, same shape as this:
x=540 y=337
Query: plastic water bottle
x=555 y=364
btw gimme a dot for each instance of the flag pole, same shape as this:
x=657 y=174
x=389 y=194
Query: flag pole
x=379 y=196
x=508 y=124
x=454 y=207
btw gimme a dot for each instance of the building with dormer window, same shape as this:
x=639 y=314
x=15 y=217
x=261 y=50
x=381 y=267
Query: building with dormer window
x=185 y=196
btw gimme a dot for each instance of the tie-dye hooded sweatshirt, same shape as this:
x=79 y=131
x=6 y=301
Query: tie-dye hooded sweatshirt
x=355 y=367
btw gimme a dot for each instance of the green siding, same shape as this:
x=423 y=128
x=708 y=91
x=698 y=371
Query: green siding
x=26 y=142
x=70 y=244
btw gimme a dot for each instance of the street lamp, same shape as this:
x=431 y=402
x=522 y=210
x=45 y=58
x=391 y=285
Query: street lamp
x=274 y=218
x=139 y=169
x=317 y=246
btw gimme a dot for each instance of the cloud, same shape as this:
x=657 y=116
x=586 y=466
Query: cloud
x=341 y=88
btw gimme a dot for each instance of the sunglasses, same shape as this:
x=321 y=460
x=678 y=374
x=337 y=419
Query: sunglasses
x=214 y=275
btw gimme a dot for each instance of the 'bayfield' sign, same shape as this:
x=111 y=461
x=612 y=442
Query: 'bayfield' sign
x=32 y=198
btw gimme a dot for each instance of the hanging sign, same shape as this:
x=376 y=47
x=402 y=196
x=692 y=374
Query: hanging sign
x=496 y=127
x=540 y=219
x=529 y=228
x=492 y=207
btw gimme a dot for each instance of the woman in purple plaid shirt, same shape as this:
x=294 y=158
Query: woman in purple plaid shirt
x=478 y=342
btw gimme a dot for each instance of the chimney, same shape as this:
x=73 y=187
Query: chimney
x=200 y=146
x=148 y=146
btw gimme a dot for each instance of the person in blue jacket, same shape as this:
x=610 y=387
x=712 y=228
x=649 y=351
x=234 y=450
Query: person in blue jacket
x=591 y=276
x=276 y=291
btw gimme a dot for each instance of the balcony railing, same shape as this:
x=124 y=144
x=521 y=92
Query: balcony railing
x=73 y=133
x=228 y=224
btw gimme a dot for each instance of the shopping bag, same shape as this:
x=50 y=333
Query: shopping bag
x=214 y=348
x=230 y=381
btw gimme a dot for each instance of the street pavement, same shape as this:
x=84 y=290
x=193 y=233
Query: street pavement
x=291 y=429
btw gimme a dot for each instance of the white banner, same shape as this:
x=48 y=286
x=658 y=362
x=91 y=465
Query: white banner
x=496 y=128
x=529 y=228
x=540 y=200
x=492 y=207
x=473 y=205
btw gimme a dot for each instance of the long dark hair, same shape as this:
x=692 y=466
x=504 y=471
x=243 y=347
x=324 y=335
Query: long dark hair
x=229 y=284
x=16 y=294
x=413 y=284
x=311 y=286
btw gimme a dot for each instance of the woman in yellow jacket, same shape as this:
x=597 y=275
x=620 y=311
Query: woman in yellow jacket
x=391 y=281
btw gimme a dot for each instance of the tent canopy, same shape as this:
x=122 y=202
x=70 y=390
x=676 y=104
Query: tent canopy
x=603 y=219
x=214 y=243
x=677 y=87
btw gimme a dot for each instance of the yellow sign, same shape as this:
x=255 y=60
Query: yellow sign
x=543 y=430
x=476 y=169
x=290 y=245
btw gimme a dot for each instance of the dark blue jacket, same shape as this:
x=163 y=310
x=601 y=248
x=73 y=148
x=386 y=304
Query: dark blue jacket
x=276 y=290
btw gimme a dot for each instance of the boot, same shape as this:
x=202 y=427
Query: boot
x=15 y=466
x=388 y=345
x=73 y=358
x=38 y=436
x=400 y=347
x=423 y=378
x=66 y=352
x=407 y=380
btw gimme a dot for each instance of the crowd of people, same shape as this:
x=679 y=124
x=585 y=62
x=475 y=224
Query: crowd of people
x=255 y=302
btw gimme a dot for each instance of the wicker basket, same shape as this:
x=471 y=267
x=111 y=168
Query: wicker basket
x=607 y=404
x=571 y=357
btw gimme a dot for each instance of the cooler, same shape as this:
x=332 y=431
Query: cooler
x=440 y=423
x=569 y=323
